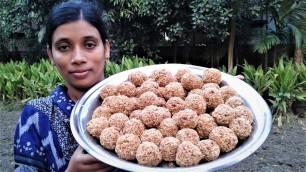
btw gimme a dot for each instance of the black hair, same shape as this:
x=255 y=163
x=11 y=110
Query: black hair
x=71 y=11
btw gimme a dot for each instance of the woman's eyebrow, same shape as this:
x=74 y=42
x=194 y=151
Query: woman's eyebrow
x=90 y=37
x=61 y=40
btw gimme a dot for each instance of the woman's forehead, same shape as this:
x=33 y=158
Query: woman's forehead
x=75 y=30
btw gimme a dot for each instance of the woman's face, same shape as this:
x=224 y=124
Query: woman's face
x=79 y=54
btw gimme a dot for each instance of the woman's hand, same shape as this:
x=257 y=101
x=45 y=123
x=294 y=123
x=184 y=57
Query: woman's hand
x=240 y=77
x=86 y=162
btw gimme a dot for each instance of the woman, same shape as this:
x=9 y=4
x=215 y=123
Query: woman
x=77 y=45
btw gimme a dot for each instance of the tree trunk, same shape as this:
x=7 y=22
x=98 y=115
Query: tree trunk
x=232 y=38
x=193 y=44
x=265 y=66
x=186 y=52
x=175 y=52
x=298 y=55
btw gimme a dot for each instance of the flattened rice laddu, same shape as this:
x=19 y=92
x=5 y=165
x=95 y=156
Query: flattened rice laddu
x=96 y=125
x=191 y=81
x=152 y=115
x=234 y=101
x=188 y=134
x=118 y=120
x=213 y=97
x=180 y=72
x=224 y=137
x=175 y=104
x=244 y=112
x=162 y=76
x=223 y=114
x=137 y=78
x=127 y=88
x=196 y=103
x=212 y=75
x=206 y=124
x=127 y=145
x=120 y=103
x=174 y=89
x=227 y=92
x=101 y=111
x=186 y=118
x=168 y=148
x=109 y=137
x=241 y=127
x=108 y=90
x=168 y=127
x=146 y=99
x=188 y=154
x=133 y=126
x=148 y=85
x=179 y=120
x=210 y=149
x=151 y=135
x=148 y=154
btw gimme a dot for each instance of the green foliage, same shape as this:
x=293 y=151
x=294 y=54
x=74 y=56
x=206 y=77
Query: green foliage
x=126 y=9
x=256 y=77
x=233 y=71
x=22 y=21
x=11 y=79
x=264 y=42
x=44 y=76
x=284 y=83
x=20 y=81
x=128 y=31
x=288 y=18
x=178 y=18
x=211 y=17
x=301 y=68
x=127 y=63
x=170 y=17
x=284 y=88
x=127 y=47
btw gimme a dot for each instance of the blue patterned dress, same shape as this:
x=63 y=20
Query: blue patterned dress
x=43 y=139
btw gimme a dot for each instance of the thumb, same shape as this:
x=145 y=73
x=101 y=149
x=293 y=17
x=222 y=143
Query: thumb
x=79 y=150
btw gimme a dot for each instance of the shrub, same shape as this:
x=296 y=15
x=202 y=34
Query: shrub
x=233 y=71
x=285 y=89
x=301 y=69
x=126 y=63
x=20 y=81
x=11 y=80
x=256 y=77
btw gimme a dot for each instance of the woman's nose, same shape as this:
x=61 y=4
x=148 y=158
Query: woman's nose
x=78 y=56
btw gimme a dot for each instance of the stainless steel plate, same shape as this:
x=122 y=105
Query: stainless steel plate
x=84 y=108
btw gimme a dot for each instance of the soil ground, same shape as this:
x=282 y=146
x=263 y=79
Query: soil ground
x=283 y=151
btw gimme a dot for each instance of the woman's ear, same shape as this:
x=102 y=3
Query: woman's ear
x=50 y=56
x=106 y=50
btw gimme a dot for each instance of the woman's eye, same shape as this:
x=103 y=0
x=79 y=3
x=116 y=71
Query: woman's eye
x=90 y=45
x=63 y=48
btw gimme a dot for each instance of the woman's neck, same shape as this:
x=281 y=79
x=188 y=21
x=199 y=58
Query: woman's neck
x=75 y=94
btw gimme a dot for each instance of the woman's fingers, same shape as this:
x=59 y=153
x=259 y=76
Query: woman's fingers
x=85 y=162
x=98 y=166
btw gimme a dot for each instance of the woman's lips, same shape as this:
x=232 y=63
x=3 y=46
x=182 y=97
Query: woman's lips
x=81 y=74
